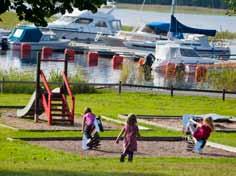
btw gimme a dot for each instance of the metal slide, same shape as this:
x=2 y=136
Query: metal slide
x=28 y=110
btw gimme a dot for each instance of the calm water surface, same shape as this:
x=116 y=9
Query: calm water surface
x=135 y=18
x=102 y=73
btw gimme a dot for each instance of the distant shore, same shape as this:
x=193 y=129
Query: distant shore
x=179 y=9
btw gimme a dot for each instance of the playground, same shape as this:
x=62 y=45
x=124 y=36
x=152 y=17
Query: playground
x=48 y=128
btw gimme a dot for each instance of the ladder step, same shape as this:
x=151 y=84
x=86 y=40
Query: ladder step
x=56 y=99
x=56 y=104
x=60 y=115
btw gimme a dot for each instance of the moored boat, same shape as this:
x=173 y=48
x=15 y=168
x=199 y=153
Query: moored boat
x=34 y=37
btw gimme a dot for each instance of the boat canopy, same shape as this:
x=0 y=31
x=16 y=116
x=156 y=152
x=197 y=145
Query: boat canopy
x=176 y=26
x=159 y=26
x=26 y=34
x=163 y=28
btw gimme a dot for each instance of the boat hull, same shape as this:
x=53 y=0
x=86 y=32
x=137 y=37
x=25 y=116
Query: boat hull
x=39 y=45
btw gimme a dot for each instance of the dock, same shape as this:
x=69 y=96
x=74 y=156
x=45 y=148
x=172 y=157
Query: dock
x=109 y=51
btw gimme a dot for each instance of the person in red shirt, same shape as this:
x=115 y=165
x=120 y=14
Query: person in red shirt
x=201 y=132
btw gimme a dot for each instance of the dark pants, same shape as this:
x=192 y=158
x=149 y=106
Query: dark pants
x=88 y=131
x=124 y=154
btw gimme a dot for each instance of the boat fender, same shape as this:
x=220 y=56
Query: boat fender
x=92 y=58
x=70 y=54
x=25 y=50
x=141 y=62
x=46 y=52
x=170 y=69
x=200 y=73
x=117 y=61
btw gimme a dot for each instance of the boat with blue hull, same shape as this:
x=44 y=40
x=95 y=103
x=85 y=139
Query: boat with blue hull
x=34 y=37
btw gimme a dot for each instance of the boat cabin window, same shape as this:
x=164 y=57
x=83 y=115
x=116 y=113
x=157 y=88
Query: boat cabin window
x=116 y=24
x=18 y=33
x=84 y=20
x=101 y=24
x=188 y=53
x=49 y=37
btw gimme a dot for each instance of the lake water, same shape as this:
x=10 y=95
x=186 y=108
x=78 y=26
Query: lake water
x=137 y=18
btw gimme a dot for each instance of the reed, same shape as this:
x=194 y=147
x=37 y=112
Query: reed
x=53 y=76
x=222 y=77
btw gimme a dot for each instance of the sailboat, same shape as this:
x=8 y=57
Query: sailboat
x=184 y=51
x=196 y=38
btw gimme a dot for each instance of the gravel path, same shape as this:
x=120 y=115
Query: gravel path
x=108 y=148
x=8 y=117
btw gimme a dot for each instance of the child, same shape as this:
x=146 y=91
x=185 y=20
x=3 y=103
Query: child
x=201 y=132
x=88 y=122
x=130 y=132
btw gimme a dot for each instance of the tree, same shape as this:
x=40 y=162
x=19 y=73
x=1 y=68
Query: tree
x=36 y=11
x=231 y=6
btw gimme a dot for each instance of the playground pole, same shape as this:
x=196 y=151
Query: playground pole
x=37 y=87
x=66 y=64
x=65 y=69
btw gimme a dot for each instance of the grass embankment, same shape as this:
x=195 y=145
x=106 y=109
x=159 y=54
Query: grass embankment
x=20 y=158
x=111 y=104
x=167 y=9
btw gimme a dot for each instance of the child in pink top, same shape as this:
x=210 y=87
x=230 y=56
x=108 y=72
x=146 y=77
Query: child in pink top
x=130 y=132
x=88 y=122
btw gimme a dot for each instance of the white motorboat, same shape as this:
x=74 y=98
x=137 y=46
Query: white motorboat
x=143 y=38
x=35 y=38
x=85 y=25
x=174 y=53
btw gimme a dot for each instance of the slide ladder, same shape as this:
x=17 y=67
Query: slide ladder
x=56 y=106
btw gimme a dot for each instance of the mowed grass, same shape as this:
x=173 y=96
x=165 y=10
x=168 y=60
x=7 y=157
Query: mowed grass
x=19 y=158
x=110 y=103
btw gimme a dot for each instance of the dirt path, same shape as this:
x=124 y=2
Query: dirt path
x=108 y=148
x=8 y=117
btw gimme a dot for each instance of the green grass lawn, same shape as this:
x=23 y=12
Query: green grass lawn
x=22 y=159
x=18 y=158
x=111 y=104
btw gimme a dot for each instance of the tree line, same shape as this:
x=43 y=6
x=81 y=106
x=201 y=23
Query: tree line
x=220 y=4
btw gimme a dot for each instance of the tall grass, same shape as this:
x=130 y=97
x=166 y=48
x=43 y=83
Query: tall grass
x=53 y=76
x=222 y=77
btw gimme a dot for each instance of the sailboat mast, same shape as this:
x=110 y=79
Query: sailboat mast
x=173 y=7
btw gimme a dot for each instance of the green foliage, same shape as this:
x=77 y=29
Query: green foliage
x=225 y=35
x=126 y=28
x=231 y=6
x=38 y=11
